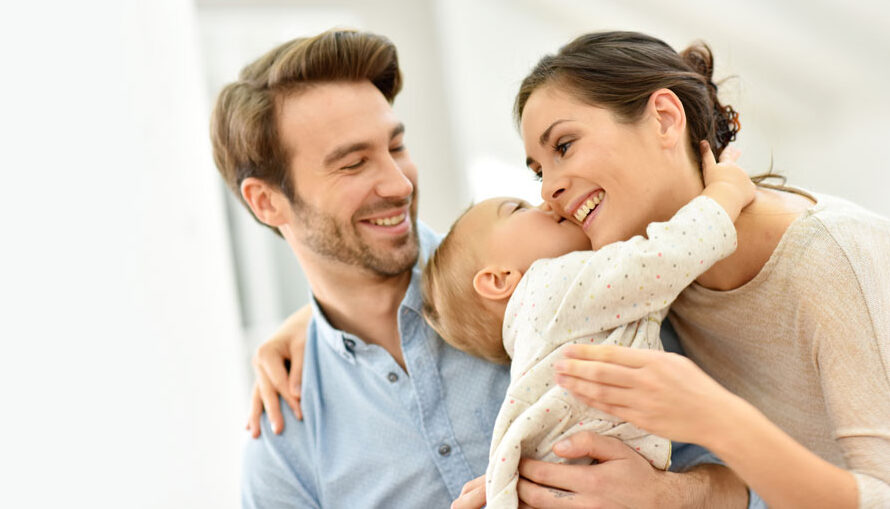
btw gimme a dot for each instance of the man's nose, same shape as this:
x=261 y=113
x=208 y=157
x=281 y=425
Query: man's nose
x=394 y=182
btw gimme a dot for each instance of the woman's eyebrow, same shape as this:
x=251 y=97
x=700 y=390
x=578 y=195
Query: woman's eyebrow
x=545 y=136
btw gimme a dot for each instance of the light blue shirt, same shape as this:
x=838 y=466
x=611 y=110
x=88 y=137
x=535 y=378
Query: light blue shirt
x=372 y=435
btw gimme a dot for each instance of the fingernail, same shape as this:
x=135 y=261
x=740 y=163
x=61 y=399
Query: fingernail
x=560 y=380
x=296 y=390
x=560 y=365
x=563 y=445
x=275 y=428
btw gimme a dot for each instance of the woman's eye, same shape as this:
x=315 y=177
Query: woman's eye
x=537 y=175
x=562 y=148
x=397 y=149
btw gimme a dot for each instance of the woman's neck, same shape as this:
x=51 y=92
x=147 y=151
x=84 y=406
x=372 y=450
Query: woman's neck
x=760 y=227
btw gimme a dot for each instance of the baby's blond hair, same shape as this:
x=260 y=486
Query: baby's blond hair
x=450 y=303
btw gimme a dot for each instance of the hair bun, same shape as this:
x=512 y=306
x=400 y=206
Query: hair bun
x=699 y=57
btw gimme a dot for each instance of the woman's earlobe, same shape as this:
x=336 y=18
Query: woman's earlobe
x=496 y=283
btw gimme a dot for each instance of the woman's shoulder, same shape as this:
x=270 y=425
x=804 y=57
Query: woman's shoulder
x=844 y=228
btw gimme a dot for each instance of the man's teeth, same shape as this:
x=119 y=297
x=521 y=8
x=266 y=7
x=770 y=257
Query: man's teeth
x=590 y=204
x=388 y=221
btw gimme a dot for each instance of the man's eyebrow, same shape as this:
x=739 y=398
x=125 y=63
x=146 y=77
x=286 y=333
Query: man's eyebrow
x=397 y=130
x=343 y=151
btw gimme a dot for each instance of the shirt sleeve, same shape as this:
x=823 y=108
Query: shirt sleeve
x=848 y=315
x=856 y=385
x=625 y=281
x=273 y=475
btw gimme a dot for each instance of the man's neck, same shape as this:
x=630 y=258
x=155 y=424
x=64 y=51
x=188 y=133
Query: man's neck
x=358 y=301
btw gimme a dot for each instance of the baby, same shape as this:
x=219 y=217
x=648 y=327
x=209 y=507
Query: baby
x=511 y=281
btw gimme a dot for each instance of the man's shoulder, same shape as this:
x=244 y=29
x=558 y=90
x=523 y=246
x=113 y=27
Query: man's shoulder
x=279 y=467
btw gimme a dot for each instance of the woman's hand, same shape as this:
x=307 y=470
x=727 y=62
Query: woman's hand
x=663 y=393
x=472 y=496
x=272 y=377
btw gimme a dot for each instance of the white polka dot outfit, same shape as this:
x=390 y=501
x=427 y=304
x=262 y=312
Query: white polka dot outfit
x=617 y=295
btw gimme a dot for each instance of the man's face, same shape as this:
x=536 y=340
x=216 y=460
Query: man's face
x=356 y=186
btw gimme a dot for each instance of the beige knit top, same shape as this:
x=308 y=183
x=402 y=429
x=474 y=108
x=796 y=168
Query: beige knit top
x=807 y=341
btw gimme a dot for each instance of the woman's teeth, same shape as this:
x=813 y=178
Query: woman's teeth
x=591 y=203
x=388 y=221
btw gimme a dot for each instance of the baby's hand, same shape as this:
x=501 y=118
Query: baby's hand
x=726 y=182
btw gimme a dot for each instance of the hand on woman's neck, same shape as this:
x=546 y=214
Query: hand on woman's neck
x=760 y=227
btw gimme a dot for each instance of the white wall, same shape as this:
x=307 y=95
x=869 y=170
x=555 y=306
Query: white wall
x=810 y=86
x=119 y=362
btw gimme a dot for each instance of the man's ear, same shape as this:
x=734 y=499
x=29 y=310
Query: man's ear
x=670 y=116
x=266 y=202
x=496 y=283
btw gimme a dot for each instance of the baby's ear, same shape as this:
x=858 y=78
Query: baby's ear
x=496 y=283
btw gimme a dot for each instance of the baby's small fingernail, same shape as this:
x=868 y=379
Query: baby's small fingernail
x=560 y=365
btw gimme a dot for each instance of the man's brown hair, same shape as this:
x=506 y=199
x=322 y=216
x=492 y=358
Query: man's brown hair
x=243 y=127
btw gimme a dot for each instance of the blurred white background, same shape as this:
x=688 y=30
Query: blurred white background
x=134 y=289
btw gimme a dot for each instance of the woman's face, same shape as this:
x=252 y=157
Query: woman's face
x=611 y=178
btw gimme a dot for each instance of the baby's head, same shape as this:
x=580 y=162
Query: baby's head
x=469 y=279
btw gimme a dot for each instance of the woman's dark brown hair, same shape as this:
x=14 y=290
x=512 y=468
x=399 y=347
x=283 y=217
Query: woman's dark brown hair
x=620 y=70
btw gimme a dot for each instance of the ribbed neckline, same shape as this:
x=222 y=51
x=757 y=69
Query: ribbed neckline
x=775 y=258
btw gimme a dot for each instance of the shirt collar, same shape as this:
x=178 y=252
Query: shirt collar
x=346 y=344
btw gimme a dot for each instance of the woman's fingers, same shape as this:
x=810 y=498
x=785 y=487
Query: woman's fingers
x=596 y=371
x=472 y=496
x=295 y=377
x=597 y=394
x=613 y=354
x=270 y=400
x=256 y=411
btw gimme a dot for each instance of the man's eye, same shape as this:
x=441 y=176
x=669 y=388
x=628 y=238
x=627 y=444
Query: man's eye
x=355 y=166
x=537 y=175
x=400 y=148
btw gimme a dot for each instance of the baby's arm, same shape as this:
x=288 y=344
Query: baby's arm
x=726 y=183
x=625 y=281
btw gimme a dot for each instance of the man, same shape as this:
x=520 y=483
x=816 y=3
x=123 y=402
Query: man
x=394 y=416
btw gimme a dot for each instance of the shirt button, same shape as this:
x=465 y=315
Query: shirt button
x=444 y=450
x=392 y=377
x=350 y=344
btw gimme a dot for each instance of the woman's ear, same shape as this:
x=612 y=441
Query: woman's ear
x=667 y=110
x=267 y=203
x=496 y=283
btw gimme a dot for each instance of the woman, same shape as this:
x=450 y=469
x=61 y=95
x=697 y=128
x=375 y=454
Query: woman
x=794 y=324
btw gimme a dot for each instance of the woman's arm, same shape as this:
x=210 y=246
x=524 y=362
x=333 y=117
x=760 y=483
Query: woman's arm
x=669 y=395
x=272 y=376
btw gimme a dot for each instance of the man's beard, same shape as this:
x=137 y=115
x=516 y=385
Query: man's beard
x=325 y=236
